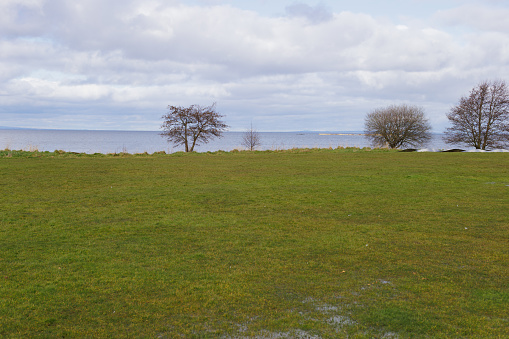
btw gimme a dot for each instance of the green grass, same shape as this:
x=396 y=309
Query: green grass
x=316 y=243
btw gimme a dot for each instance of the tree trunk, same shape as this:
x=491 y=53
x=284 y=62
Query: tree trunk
x=195 y=138
x=186 y=143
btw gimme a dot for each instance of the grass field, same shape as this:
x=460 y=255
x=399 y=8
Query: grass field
x=299 y=243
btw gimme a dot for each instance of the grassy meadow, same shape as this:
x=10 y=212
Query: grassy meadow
x=274 y=244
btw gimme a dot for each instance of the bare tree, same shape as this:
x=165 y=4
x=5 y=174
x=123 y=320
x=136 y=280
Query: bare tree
x=481 y=119
x=397 y=126
x=251 y=139
x=190 y=126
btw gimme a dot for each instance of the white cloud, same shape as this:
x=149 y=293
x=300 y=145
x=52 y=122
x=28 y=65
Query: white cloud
x=327 y=68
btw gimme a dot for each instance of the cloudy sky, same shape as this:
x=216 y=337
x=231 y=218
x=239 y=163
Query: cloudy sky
x=283 y=65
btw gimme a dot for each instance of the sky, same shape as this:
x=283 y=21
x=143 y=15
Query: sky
x=280 y=65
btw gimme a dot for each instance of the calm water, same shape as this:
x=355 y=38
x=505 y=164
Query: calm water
x=139 y=142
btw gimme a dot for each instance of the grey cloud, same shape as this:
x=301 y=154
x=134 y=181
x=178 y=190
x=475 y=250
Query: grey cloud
x=316 y=14
x=20 y=19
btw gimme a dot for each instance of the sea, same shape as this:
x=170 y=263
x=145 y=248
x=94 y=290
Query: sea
x=82 y=141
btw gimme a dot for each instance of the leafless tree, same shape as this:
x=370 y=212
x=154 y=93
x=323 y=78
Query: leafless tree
x=251 y=139
x=190 y=126
x=397 y=126
x=481 y=119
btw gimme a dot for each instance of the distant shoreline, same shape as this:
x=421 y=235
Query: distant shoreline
x=150 y=141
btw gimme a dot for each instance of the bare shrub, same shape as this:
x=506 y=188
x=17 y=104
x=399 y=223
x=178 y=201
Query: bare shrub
x=397 y=126
x=251 y=139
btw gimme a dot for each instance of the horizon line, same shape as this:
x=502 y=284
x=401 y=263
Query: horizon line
x=234 y=131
